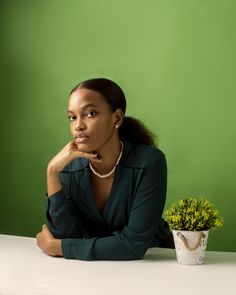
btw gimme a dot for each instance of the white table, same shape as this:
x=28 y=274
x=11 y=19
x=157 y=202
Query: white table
x=26 y=270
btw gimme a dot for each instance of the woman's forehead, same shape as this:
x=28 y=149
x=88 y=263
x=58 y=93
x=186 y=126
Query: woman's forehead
x=82 y=98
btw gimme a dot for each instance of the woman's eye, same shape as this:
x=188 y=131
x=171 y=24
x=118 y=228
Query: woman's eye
x=91 y=114
x=71 y=118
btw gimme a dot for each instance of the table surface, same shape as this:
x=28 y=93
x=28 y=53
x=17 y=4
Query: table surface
x=25 y=269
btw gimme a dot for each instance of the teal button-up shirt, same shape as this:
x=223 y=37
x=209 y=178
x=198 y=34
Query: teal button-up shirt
x=131 y=220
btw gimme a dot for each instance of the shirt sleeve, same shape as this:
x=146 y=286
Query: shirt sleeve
x=133 y=241
x=61 y=216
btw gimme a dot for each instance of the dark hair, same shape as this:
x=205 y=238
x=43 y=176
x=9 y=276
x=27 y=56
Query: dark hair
x=131 y=129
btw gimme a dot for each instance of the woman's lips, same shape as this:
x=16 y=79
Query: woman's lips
x=82 y=139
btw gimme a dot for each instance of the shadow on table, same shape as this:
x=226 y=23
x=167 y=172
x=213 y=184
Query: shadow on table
x=169 y=254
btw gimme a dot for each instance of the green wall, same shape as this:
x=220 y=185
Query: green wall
x=175 y=61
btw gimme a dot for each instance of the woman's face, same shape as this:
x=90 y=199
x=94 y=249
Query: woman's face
x=92 y=122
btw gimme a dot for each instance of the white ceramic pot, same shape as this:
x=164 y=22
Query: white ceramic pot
x=190 y=246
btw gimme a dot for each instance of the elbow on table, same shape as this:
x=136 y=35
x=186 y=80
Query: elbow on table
x=136 y=254
x=140 y=255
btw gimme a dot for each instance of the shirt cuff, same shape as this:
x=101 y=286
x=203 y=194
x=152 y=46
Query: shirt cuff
x=78 y=248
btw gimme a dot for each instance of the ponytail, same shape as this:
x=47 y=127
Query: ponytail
x=134 y=131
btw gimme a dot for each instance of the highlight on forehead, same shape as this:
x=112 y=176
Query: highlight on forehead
x=91 y=96
x=89 y=105
x=84 y=98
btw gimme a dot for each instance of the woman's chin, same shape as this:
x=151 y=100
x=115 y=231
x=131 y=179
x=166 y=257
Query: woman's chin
x=86 y=148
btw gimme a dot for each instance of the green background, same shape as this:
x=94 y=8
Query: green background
x=175 y=61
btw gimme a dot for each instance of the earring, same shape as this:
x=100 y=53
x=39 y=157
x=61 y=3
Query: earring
x=117 y=125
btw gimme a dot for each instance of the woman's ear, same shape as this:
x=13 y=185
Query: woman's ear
x=118 y=117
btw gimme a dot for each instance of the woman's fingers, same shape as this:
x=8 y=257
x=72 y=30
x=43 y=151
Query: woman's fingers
x=90 y=156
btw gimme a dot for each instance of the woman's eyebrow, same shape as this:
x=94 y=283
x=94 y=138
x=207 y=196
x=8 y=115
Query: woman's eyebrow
x=86 y=106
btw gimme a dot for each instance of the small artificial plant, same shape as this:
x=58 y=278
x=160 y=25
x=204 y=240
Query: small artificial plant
x=193 y=214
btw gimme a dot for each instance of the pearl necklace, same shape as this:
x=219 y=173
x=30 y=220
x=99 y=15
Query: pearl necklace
x=112 y=170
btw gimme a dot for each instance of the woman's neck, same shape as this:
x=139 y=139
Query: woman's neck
x=109 y=154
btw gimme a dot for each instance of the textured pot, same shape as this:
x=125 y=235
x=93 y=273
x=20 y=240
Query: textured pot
x=190 y=246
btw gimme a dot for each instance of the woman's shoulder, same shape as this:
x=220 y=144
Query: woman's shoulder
x=141 y=155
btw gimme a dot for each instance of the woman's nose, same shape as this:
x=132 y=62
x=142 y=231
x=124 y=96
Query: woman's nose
x=80 y=125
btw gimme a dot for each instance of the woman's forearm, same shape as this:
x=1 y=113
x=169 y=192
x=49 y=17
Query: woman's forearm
x=53 y=181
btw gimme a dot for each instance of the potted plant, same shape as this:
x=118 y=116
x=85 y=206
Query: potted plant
x=190 y=220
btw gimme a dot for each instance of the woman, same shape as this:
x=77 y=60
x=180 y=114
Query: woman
x=106 y=189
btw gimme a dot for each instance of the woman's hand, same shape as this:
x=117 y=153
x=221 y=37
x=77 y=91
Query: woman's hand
x=48 y=243
x=68 y=154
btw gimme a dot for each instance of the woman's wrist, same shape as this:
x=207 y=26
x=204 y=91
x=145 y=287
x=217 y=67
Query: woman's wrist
x=51 y=169
x=55 y=248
